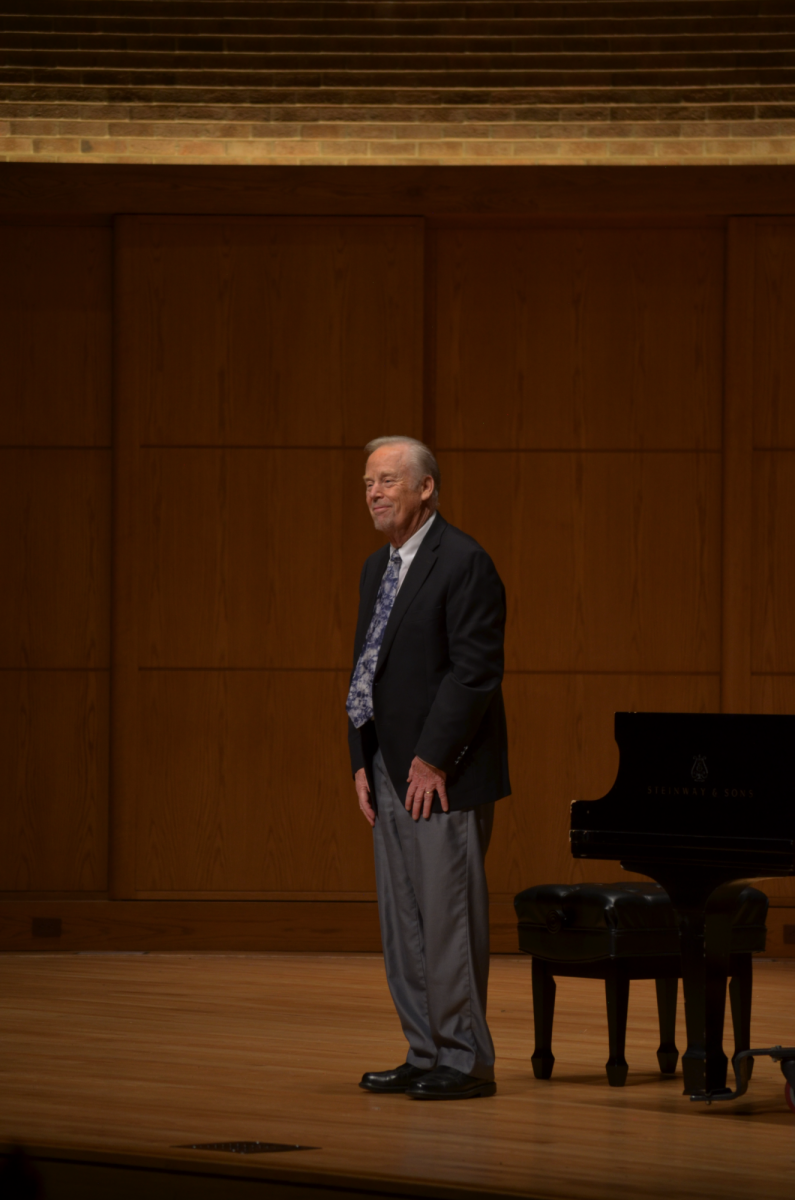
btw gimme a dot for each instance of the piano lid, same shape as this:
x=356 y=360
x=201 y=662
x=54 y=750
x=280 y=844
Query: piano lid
x=699 y=774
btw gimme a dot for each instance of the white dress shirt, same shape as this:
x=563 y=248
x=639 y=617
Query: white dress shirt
x=409 y=549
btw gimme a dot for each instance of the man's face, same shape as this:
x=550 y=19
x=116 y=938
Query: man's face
x=397 y=505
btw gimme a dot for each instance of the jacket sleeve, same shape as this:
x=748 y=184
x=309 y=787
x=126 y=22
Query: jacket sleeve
x=355 y=748
x=475 y=615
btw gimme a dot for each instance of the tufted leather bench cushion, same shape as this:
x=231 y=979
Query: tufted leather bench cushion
x=584 y=922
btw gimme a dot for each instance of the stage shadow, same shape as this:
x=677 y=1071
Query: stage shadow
x=19 y=1178
x=767 y=1112
x=600 y=1081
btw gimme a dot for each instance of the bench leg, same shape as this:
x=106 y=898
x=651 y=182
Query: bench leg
x=617 y=996
x=544 y=990
x=667 y=1055
x=740 y=992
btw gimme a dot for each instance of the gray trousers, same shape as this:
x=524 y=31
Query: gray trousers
x=433 y=905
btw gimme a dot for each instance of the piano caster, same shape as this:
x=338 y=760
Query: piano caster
x=743 y=1063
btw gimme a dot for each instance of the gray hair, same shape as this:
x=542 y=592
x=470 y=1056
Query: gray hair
x=421 y=458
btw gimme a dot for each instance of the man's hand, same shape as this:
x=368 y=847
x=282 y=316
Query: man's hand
x=363 y=792
x=424 y=780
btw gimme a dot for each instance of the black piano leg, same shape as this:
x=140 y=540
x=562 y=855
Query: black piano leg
x=544 y=989
x=705 y=948
x=617 y=996
x=667 y=1055
x=740 y=993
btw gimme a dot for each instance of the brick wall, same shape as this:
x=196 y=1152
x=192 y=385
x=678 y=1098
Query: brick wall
x=231 y=134
x=432 y=81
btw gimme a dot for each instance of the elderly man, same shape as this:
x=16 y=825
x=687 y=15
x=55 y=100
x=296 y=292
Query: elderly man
x=429 y=755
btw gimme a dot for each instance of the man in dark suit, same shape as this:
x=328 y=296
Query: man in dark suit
x=429 y=756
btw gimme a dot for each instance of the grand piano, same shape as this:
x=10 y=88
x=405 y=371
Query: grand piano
x=703 y=803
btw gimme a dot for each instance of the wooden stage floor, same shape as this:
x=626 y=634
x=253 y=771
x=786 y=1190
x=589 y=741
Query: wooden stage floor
x=122 y=1058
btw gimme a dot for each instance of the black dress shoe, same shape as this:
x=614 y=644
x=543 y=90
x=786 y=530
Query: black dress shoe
x=445 y=1083
x=397 y=1080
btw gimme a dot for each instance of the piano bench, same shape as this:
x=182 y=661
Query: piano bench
x=619 y=932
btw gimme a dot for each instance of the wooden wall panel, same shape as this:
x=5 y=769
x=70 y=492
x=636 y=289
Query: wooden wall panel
x=737 y=470
x=245 y=785
x=774 y=336
x=55 y=482
x=55 y=334
x=250 y=354
x=611 y=561
x=773 y=574
x=54 y=768
x=579 y=377
x=55 y=552
x=773 y=694
x=562 y=748
x=576 y=389
x=598 y=338
x=198 y=925
x=251 y=558
x=268 y=332
x=612 y=190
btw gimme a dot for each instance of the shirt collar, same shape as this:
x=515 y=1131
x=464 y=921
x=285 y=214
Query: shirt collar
x=410 y=548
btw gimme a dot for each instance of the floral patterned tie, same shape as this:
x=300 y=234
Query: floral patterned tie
x=360 y=698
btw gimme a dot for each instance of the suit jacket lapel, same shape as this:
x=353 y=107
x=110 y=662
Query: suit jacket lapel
x=418 y=572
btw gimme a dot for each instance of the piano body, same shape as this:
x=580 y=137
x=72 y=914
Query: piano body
x=703 y=803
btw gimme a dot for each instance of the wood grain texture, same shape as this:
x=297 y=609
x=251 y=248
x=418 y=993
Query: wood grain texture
x=245 y=784
x=611 y=561
x=774 y=336
x=53 y=780
x=412 y=191
x=241 y=332
x=55 y=555
x=251 y=558
x=267 y=332
x=55 y=335
x=562 y=748
x=174 y=1050
x=128 y=386
x=566 y=338
x=737 y=516
x=773 y=694
x=773 y=575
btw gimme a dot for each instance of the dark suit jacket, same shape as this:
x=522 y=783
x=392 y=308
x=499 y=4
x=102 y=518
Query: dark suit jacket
x=437 y=688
